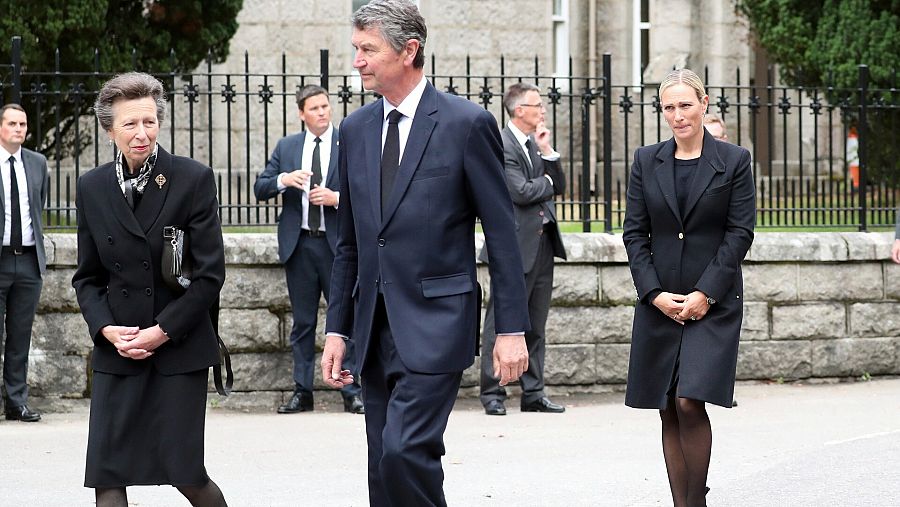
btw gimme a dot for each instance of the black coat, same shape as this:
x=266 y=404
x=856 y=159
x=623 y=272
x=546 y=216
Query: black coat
x=701 y=251
x=118 y=280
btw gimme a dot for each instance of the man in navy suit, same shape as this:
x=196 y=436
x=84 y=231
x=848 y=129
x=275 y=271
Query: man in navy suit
x=417 y=168
x=303 y=169
x=22 y=261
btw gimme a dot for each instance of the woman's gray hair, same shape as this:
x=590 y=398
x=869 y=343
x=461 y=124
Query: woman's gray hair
x=398 y=21
x=128 y=86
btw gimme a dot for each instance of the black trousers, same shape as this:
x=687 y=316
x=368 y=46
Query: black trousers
x=539 y=287
x=20 y=290
x=406 y=415
x=308 y=272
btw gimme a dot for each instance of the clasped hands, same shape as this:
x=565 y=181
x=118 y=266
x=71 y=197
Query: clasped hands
x=133 y=342
x=510 y=360
x=319 y=195
x=680 y=307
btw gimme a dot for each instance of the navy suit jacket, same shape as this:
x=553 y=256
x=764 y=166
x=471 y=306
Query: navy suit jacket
x=423 y=251
x=286 y=158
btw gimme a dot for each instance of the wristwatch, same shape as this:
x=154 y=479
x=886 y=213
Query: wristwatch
x=710 y=301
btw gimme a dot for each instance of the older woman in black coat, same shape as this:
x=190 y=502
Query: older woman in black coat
x=688 y=225
x=153 y=345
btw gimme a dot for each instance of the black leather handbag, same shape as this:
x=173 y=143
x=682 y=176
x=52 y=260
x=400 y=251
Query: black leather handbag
x=176 y=273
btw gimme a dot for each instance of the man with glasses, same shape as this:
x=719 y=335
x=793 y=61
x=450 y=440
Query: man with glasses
x=534 y=176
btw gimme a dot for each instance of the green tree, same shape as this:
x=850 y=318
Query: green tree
x=821 y=43
x=108 y=36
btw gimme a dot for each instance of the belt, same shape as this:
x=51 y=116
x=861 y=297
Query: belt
x=313 y=234
x=8 y=250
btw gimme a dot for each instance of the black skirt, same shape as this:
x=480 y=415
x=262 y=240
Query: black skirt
x=147 y=429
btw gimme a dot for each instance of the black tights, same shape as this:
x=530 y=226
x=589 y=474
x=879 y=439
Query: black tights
x=687 y=443
x=208 y=495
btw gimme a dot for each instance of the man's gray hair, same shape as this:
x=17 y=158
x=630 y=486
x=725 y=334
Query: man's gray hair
x=514 y=95
x=398 y=21
x=128 y=86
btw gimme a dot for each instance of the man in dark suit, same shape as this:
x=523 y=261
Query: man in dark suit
x=23 y=261
x=533 y=175
x=303 y=169
x=417 y=168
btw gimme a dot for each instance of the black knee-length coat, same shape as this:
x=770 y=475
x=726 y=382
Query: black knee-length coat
x=702 y=251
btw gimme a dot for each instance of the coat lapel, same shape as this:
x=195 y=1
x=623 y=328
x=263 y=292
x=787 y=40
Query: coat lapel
x=118 y=207
x=373 y=159
x=155 y=194
x=419 y=134
x=665 y=175
x=709 y=165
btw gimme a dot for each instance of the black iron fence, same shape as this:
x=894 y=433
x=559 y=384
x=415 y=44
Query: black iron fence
x=810 y=154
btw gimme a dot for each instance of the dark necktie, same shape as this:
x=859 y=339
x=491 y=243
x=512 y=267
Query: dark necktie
x=529 y=148
x=15 y=230
x=314 y=219
x=390 y=158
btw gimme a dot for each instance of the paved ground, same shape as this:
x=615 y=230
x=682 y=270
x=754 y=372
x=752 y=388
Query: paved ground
x=785 y=445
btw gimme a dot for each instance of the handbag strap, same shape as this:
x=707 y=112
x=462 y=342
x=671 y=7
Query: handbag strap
x=225 y=389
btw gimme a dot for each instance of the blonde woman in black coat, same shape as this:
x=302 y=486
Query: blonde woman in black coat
x=152 y=346
x=688 y=225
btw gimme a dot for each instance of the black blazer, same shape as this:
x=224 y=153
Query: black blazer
x=118 y=279
x=532 y=194
x=286 y=157
x=38 y=182
x=702 y=250
x=423 y=251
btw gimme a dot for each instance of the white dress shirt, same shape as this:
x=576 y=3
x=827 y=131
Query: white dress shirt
x=522 y=138
x=24 y=204
x=309 y=144
x=408 y=108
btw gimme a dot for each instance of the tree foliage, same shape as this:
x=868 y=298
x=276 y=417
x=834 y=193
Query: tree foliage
x=821 y=43
x=109 y=36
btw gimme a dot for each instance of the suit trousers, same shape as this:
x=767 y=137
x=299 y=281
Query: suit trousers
x=539 y=289
x=20 y=290
x=308 y=272
x=406 y=415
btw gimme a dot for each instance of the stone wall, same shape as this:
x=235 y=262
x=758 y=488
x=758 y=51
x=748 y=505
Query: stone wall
x=818 y=305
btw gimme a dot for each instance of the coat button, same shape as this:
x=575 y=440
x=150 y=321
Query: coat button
x=381 y=242
x=146 y=265
x=118 y=267
x=109 y=240
x=125 y=292
x=149 y=291
x=541 y=213
x=540 y=232
x=680 y=235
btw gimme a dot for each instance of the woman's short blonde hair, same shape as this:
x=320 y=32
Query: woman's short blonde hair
x=683 y=76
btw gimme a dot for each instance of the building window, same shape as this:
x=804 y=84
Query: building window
x=358 y=3
x=640 y=56
x=560 y=37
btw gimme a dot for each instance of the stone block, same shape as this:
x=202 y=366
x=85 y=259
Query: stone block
x=770 y=282
x=569 y=364
x=867 y=246
x=575 y=285
x=612 y=362
x=616 y=285
x=255 y=287
x=57 y=293
x=841 y=282
x=60 y=332
x=797 y=246
x=814 y=320
x=251 y=330
x=875 y=319
x=251 y=249
x=775 y=360
x=255 y=401
x=262 y=371
x=855 y=356
x=590 y=324
x=57 y=374
x=891 y=280
x=755 y=325
x=61 y=249
x=594 y=248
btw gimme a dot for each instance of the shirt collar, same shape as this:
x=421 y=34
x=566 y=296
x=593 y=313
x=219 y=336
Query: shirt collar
x=519 y=135
x=4 y=155
x=410 y=103
x=325 y=137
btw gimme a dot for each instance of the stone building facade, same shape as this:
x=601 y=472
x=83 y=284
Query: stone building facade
x=817 y=306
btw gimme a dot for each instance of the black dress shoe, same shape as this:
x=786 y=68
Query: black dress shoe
x=494 y=407
x=354 y=405
x=542 y=405
x=299 y=402
x=22 y=413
